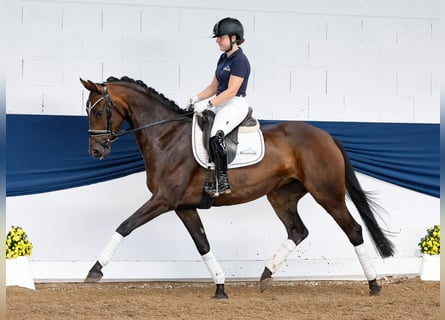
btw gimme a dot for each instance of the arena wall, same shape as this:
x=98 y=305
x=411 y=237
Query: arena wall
x=373 y=61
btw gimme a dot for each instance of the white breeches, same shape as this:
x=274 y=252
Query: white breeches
x=229 y=115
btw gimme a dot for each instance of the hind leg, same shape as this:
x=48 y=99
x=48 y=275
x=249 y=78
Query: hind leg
x=353 y=231
x=285 y=202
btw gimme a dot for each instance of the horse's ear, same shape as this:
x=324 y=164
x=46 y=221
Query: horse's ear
x=90 y=85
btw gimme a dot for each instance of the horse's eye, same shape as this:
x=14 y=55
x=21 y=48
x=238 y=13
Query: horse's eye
x=99 y=113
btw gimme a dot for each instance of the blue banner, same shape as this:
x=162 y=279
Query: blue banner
x=49 y=153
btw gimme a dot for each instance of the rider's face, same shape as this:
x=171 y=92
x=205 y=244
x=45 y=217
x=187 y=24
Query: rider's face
x=223 y=42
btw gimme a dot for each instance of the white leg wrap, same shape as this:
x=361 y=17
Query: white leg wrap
x=214 y=268
x=107 y=253
x=365 y=261
x=286 y=248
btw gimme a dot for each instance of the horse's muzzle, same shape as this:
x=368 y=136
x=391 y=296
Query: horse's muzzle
x=99 y=150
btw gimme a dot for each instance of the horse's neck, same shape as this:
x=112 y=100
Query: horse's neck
x=159 y=137
x=149 y=109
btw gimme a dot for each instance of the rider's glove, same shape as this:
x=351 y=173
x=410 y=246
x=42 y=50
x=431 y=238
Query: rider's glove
x=190 y=102
x=201 y=106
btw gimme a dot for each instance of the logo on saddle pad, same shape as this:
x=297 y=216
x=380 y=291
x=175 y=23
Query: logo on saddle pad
x=248 y=150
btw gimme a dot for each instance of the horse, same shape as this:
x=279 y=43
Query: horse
x=299 y=159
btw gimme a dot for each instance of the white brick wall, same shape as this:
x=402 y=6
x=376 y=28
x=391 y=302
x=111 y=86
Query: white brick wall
x=312 y=60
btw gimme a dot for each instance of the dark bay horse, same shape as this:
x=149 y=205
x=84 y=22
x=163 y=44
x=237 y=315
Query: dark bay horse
x=299 y=159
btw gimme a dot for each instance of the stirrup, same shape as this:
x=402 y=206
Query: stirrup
x=215 y=189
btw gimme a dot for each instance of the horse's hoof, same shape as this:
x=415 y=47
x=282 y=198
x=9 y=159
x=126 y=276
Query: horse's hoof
x=374 y=288
x=220 y=296
x=265 y=284
x=94 y=276
x=375 y=291
x=220 y=293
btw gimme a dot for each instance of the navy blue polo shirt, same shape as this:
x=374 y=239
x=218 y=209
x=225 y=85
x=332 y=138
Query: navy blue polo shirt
x=237 y=65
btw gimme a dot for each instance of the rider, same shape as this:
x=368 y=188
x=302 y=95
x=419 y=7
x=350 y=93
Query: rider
x=227 y=93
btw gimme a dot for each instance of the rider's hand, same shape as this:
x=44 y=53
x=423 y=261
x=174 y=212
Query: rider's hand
x=190 y=102
x=199 y=107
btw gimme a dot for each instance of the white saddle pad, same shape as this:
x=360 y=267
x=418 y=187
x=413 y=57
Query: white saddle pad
x=250 y=147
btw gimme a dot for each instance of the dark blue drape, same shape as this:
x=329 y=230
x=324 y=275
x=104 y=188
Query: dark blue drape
x=48 y=153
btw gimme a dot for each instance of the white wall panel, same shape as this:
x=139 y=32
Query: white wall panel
x=194 y=77
x=351 y=37
x=140 y=47
x=413 y=83
x=400 y=106
x=101 y=45
x=64 y=45
x=344 y=29
x=42 y=71
x=414 y=31
x=87 y=69
x=379 y=30
x=352 y=82
x=82 y=18
x=327 y=107
x=330 y=54
x=362 y=108
x=196 y=23
x=16 y=99
x=299 y=110
x=25 y=43
x=190 y=51
x=427 y=109
x=121 y=19
x=271 y=26
x=159 y=21
x=118 y=68
x=55 y=101
x=309 y=81
x=42 y=15
x=163 y=77
x=290 y=53
x=396 y=56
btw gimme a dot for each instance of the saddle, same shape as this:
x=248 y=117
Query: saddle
x=245 y=143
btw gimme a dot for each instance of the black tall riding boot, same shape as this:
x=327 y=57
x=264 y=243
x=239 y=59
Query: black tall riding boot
x=219 y=155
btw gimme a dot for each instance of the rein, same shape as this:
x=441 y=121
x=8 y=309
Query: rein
x=126 y=131
x=112 y=136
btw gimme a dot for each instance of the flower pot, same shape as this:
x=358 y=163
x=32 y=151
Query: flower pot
x=18 y=273
x=430 y=268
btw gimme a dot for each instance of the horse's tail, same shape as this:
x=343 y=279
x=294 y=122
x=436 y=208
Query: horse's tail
x=365 y=207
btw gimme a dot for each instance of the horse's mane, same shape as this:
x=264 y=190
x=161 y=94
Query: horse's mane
x=170 y=103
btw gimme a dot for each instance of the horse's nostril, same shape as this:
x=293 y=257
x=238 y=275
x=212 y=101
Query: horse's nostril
x=95 y=153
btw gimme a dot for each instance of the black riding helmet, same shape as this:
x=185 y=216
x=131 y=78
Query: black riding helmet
x=229 y=26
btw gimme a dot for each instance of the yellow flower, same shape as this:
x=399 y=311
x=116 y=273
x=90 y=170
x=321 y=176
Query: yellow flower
x=17 y=243
x=430 y=244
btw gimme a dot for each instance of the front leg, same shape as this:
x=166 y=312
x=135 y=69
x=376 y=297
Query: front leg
x=194 y=226
x=150 y=210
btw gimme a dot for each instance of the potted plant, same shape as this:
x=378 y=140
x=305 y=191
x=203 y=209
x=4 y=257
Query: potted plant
x=18 y=248
x=430 y=248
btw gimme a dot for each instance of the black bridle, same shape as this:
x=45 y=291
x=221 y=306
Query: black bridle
x=113 y=136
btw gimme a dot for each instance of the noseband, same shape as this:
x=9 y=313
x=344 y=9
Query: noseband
x=109 y=131
x=113 y=136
